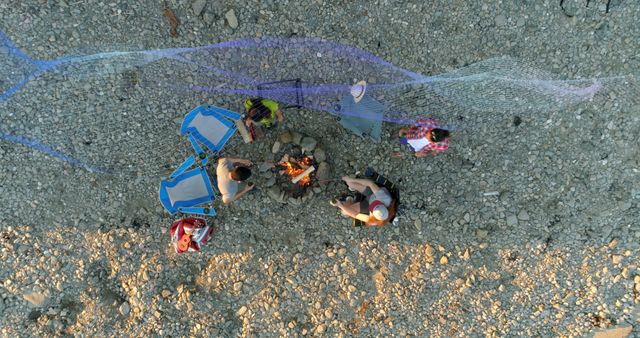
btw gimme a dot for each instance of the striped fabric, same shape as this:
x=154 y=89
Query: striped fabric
x=420 y=130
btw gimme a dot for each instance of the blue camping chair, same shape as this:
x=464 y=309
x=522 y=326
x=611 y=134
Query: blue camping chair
x=210 y=127
x=189 y=187
x=186 y=190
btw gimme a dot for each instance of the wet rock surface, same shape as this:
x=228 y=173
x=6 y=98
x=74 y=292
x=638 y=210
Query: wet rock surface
x=520 y=229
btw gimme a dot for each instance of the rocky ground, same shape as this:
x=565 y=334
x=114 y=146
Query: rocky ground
x=520 y=229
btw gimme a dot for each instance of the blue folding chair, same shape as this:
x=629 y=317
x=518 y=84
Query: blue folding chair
x=189 y=187
x=210 y=127
x=186 y=190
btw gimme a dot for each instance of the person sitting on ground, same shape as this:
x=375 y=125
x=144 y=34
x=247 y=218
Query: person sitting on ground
x=372 y=205
x=425 y=138
x=262 y=112
x=231 y=174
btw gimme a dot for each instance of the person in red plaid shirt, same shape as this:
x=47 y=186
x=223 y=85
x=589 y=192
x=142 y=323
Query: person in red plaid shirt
x=425 y=138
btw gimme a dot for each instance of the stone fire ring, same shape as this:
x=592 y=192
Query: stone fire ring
x=309 y=145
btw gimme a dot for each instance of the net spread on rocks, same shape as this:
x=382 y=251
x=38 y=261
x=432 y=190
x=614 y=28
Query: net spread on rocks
x=109 y=141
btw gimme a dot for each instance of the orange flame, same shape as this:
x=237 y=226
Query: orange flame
x=306 y=161
x=291 y=170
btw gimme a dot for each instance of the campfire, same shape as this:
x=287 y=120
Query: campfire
x=299 y=171
x=295 y=172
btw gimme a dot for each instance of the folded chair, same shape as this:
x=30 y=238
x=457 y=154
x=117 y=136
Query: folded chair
x=209 y=127
x=188 y=191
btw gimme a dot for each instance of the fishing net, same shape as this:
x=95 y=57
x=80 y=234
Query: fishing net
x=119 y=112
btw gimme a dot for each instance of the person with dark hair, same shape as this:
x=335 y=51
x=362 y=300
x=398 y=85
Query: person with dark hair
x=231 y=175
x=262 y=112
x=425 y=138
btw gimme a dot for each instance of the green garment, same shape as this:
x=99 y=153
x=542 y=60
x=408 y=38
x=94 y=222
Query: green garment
x=273 y=107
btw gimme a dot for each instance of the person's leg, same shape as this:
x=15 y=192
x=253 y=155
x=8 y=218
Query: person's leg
x=349 y=208
x=425 y=153
x=357 y=184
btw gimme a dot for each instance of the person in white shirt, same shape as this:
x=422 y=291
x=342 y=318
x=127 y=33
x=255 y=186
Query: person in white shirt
x=231 y=174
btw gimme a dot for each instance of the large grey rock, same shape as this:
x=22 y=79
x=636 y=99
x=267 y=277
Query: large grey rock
x=296 y=137
x=275 y=193
x=198 y=6
x=231 y=18
x=265 y=166
x=285 y=137
x=308 y=144
x=276 y=147
x=270 y=182
x=320 y=155
x=323 y=173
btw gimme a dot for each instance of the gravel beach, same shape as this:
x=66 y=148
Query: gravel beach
x=526 y=227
